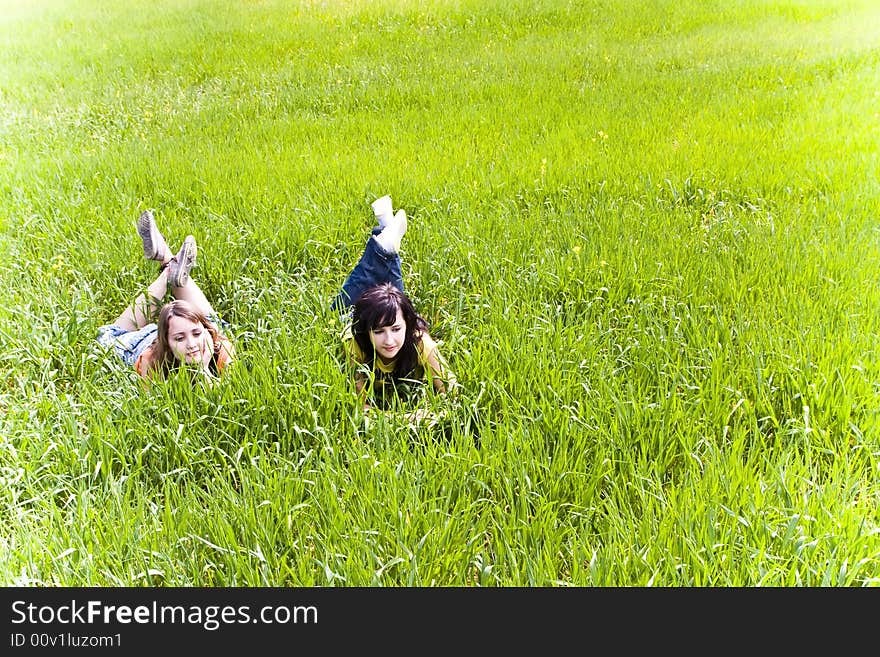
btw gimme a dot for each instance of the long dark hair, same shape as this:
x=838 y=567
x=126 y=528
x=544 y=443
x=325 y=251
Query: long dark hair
x=377 y=307
x=162 y=359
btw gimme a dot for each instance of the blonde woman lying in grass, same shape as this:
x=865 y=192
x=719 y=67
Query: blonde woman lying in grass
x=156 y=338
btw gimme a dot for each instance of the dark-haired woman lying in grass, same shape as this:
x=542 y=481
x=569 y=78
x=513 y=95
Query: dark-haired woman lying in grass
x=386 y=341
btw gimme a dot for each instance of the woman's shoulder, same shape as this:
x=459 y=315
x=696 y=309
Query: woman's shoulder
x=351 y=346
x=145 y=364
x=425 y=344
x=227 y=350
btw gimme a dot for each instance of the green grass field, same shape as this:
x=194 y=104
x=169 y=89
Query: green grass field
x=646 y=234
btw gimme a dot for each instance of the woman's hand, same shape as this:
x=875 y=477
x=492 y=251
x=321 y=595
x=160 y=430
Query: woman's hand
x=423 y=417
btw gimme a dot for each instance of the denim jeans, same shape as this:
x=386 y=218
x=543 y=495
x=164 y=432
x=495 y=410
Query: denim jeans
x=375 y=266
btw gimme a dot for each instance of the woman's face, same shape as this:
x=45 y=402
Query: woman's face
x=190 y=342
x=387 y=340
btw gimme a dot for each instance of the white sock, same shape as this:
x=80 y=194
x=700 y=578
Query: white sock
x=400 y=224
x=382 y=210
x=387 y=241
x=391 y=235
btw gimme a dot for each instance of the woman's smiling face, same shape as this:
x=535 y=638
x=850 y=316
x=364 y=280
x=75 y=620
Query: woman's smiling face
x=190 y=341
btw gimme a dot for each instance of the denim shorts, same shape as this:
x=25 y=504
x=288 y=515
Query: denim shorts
x=128 y=345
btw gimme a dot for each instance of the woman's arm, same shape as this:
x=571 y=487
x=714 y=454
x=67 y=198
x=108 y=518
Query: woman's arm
x=360 y=384
x=227 y=350
x=354 y=358
x=442 y=377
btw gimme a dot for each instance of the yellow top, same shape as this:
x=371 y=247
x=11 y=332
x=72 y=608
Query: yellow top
x=425 y=346
x=427 y=350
